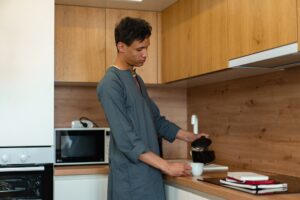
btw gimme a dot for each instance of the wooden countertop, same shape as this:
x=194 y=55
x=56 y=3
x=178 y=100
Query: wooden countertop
x=186 y=182
x=80 y=170
x=219 y=191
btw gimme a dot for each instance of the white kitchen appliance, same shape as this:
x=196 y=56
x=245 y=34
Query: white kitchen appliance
x=26 y=73
x=81 y=146
x=26 y=173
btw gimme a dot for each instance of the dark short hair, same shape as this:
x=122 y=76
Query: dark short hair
x=130 y=29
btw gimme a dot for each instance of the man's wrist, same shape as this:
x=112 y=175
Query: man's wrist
x=164 y=166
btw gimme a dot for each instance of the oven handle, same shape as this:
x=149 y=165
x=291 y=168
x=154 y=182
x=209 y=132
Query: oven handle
x=22 y=169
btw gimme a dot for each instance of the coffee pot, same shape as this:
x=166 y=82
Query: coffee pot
x=200 y=152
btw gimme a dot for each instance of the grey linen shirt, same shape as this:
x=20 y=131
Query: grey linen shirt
x=135 y=123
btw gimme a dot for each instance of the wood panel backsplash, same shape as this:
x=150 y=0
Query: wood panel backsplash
x=254 y=122
x=73 y=102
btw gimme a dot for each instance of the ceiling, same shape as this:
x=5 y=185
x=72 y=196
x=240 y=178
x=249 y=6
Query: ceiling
x=151 y=5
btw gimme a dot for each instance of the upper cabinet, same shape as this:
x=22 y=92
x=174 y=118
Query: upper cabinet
x=26 y=75
x=176 y=41
x=209 y=36
x=189 y=38
x=204 y=36
x=79 y=43
x=85 y=45
x=194 y=38
x=258 y=25
x=149 y=71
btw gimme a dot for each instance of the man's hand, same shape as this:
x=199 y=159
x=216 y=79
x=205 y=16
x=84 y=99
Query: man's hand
x=169 y=168
x=177 y=169
x=189 y=136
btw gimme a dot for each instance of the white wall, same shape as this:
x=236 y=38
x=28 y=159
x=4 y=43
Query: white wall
x=26 y=72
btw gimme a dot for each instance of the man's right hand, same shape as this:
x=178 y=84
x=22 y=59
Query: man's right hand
x=169 y=168
x=177 y=169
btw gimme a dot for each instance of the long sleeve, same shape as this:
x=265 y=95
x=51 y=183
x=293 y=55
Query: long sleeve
x=113 y=100
x=165 y=128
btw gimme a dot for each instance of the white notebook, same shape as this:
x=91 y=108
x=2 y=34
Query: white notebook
x=247 y=176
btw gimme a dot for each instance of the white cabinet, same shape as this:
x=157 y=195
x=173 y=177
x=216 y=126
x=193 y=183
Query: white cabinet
x=79 y=187
x=26 y=72
x=175 y=193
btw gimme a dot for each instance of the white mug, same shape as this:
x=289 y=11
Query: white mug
x=197 y=168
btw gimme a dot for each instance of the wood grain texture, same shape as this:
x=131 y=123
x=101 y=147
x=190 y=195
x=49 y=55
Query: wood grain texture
x=159 y=48
x=72 y=102
x=257 y=25
x=172 y=104
x=81 y=170
x=79 y=43
x=194 y=38
x=223 y=192
x=113 y=16
x=209 y=36
x=298 y=20
x=176 y=40
x=253 y=122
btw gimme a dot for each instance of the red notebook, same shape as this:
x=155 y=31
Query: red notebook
x=253 y=186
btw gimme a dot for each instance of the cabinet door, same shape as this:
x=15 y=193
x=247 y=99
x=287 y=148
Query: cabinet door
x=173 y=193
x=194 y=38
x=79 y=43
x=176 y=41
x=113 y=16
x=258 y=25
x=79 y=187
x=209 y=36
x=26 y=73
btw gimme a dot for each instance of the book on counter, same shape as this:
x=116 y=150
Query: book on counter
x=261 y=191
x=252 y=186
x=270 y=181
x=247 y=176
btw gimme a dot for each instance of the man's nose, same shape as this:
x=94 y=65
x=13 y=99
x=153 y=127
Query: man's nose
x=145 y=54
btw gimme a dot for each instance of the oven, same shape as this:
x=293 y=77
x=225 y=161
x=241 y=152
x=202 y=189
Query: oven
x=26 y=173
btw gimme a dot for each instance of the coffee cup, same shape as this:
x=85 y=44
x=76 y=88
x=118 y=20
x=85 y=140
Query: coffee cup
x=197 y=168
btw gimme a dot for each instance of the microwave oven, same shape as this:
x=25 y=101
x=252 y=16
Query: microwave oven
x=81 y=146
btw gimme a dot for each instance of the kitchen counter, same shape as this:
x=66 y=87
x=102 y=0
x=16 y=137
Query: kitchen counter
x=181 y=182
x=80 y=170
x=219 y=191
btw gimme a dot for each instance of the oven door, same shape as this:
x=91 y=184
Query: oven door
x=33 y=182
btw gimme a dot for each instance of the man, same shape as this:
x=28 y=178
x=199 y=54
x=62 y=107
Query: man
x=135 y=121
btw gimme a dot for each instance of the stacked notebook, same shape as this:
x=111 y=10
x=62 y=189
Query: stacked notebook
x=253 y=183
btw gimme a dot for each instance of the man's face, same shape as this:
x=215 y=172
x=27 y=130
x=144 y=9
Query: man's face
x=136 y=53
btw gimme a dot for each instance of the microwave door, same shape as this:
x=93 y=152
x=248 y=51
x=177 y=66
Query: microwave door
x=80 y=146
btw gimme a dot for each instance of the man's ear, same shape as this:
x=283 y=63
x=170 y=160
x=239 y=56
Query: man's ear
x=121 y=47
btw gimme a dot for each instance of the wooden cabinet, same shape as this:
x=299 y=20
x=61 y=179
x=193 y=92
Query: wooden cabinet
x=149 y=71
x=298 y=20
x=176 y=41
x=194 y=38
x=257 y=25
x=79 y=43
x=78 y=187
x=209 y=36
